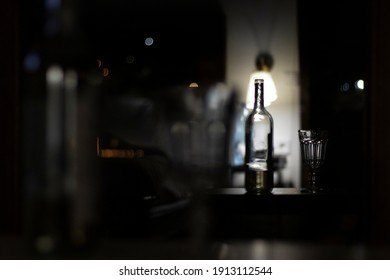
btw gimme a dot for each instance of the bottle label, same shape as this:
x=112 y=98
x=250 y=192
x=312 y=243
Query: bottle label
x=256 y=177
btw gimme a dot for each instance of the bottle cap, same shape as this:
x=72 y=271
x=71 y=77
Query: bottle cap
x=259 y=80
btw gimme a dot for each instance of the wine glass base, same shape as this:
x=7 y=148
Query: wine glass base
x=316 y=190
x=305 y=190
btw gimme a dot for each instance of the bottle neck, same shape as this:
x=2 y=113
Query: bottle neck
x=259 y=96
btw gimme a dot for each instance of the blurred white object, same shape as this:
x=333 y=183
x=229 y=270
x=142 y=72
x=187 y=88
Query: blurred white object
x=264 y=63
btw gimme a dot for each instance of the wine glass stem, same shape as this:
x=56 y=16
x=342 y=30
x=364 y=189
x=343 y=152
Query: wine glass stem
x=313 y=180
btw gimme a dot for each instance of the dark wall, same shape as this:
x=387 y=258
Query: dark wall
x=189 y=39
x=334 y=40
x=340 y=42
x=379 y=192
x=9 y=119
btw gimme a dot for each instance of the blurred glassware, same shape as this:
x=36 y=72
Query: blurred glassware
x=200 y=137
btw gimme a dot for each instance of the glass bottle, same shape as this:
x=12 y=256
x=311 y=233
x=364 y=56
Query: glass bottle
x=259 y=145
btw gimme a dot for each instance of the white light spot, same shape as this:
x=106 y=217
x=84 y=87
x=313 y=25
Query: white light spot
x=54 y=74
x=149 y=41
x=359 y=84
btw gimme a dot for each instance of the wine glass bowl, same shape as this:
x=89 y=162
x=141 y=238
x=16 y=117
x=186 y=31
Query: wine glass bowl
x=313 y=149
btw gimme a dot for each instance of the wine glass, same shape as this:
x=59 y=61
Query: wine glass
x=313 y=148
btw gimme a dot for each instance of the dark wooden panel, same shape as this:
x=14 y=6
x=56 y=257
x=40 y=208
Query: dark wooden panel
x=9 y=120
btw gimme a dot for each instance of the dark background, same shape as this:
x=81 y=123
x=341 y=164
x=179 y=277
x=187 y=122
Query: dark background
x=339 y=42
x=334 y=42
